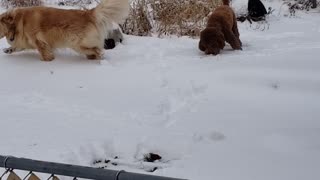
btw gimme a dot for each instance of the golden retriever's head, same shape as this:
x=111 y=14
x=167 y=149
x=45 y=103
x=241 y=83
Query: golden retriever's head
x=6 y=22
x=211 y=40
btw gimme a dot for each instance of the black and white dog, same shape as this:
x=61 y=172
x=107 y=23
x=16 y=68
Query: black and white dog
x=114 y=37
x=256 y=9
x=256 y=12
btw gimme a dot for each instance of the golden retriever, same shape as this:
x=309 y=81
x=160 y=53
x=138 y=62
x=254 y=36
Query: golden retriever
x=46 y=28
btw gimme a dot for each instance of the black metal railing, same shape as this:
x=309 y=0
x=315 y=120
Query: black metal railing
x=13 y=163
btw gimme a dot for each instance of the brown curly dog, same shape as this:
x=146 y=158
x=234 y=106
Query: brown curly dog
x=221 y=27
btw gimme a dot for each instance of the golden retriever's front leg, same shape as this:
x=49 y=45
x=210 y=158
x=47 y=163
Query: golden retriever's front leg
x=11 y=50
x=44 y=50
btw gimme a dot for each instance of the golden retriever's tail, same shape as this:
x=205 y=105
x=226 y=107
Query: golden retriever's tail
x=226 y=2
x=109 y=11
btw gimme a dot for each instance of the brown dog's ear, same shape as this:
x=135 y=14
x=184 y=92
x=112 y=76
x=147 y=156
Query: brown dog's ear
x=7 y=19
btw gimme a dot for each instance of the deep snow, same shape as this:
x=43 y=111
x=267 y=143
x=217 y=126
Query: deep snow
x=251 y=114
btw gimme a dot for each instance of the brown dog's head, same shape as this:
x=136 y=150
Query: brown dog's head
x=6 y=24
x=211 y=40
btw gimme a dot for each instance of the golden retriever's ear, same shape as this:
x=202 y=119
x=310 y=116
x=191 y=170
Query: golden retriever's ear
x=7 y=19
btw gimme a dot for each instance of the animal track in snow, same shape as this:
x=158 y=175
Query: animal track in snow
x=179 y=99
x=213 y=136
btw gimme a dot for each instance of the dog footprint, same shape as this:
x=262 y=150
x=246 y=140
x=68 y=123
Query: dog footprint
x=213 y=136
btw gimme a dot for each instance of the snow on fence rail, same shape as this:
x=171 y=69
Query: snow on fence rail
x=10 y=163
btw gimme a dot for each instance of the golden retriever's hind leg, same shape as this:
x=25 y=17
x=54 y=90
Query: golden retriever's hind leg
x=92 y=57
x=44 y=50
x=92 y=53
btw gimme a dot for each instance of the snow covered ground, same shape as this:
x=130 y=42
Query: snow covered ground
x=251 y=114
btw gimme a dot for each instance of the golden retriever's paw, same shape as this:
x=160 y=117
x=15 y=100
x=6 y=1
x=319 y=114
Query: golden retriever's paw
x=9 y=50
x=47 y=58
x=94 y=57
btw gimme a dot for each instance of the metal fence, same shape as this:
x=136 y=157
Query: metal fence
x=10 y=163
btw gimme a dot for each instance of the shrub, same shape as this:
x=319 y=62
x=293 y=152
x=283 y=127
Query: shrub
x=20 y=3
x=303 y=5
x=168 y=17
x=74 y=2
x=138 y=22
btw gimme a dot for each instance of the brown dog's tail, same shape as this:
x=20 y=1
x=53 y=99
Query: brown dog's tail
x=226 y=2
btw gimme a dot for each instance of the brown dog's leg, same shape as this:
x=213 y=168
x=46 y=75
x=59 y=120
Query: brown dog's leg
x=233 y=40
x=44 y=50
x=235 y=29
x=201 y=47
